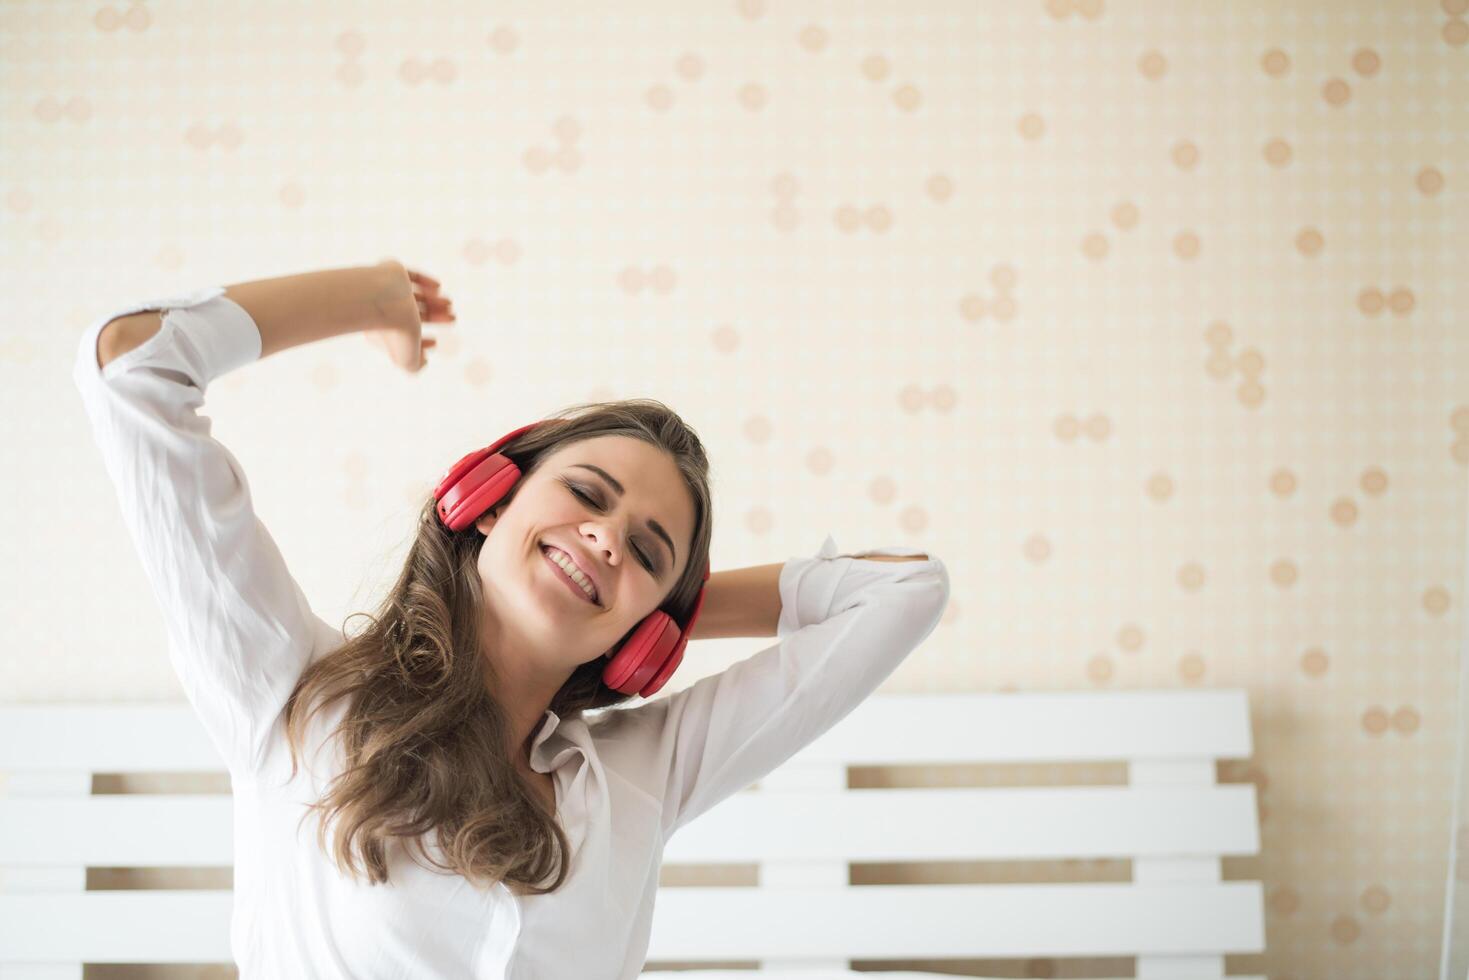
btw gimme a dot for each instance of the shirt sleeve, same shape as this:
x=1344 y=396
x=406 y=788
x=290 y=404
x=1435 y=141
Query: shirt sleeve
x=239 y=629
x=845 y=625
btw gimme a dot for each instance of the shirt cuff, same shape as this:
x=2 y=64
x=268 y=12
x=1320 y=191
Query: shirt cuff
x=225 y=336
x=220 y=335
x=806 y=589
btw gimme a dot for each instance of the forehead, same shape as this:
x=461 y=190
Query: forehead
x=609 y=451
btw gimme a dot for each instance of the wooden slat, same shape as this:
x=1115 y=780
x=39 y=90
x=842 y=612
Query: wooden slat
x=889 y=729
x=123 y=831
x=51 y=879
x=799 y=973
x=953 y=824
x=807 y=872
x=1176 y=774
x=867 y=922
x=964 y=824
x=958 y=921
x=149 y=737
x=1054 y=726
x=123 y=926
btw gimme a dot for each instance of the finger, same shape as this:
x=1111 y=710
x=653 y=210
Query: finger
x=440 y=310
x=420 y=277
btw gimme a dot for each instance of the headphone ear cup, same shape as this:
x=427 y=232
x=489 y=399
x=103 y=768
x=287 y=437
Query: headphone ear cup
x=670 y=664
x=476 y=491
x=476 y=482
x=644 y=656
x=651 y=655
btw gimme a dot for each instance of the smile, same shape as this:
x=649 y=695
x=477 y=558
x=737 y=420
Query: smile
x=561 y=574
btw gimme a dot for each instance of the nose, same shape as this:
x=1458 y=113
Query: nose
x=604 y=537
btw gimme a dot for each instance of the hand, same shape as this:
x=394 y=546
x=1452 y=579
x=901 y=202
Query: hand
x=406 y=301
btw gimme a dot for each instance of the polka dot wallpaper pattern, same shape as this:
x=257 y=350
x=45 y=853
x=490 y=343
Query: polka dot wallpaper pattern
x=1146 y=317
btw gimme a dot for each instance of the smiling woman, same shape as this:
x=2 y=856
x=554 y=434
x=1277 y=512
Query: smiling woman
x=482 y=635
x=459 y=739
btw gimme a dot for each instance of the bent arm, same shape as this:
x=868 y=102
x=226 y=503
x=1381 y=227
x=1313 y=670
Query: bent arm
x=845 y=625
x=746 y=601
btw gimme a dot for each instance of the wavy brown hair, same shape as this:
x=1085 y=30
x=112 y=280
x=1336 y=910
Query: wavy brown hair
x=427 y=745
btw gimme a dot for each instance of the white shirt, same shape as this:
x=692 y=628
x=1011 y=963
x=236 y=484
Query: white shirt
x=240 y=632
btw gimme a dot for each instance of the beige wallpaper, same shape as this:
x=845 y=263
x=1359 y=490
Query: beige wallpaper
x=1144 y=316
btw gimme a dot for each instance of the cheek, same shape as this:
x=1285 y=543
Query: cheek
x=647 y=596
x=486 y=562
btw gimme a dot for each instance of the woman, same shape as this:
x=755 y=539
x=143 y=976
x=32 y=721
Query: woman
x=478 y=814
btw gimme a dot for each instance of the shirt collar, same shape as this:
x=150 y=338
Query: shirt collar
x=540 y=750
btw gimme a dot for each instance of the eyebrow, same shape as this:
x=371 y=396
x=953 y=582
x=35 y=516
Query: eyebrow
x=612 y=481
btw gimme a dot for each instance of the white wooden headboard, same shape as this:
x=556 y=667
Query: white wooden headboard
x=802 y=826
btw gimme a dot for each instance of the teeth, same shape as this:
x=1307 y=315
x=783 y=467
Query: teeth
x=570 y=569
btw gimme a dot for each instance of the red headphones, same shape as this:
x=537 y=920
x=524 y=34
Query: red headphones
x=644 y=663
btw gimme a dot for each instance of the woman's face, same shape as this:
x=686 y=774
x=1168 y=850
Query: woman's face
x=534 y=621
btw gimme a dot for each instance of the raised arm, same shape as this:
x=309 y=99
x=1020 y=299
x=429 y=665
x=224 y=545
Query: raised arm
x=239 y=628
x=287 y=310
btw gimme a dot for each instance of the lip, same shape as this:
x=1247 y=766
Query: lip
x=561 y=576
x=583 y=565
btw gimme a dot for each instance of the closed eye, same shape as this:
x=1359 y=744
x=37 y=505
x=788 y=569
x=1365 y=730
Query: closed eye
x=638 y=551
